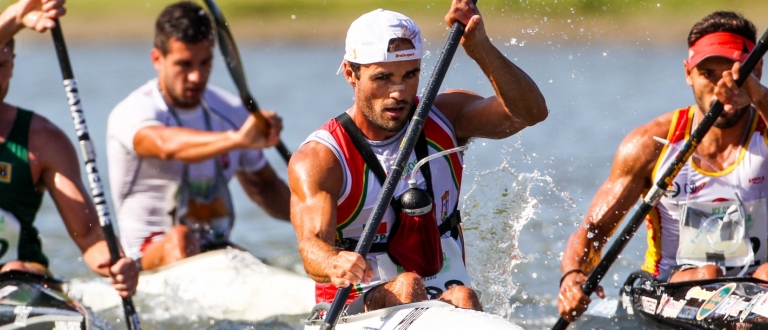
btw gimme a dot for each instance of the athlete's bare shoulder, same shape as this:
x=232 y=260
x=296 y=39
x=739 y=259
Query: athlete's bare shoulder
x=314 y=161
x=640 y=149
x=48 y=145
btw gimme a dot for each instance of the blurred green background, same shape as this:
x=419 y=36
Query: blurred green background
x=327 y=20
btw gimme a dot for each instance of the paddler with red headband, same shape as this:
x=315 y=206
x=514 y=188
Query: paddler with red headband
x=712 y=220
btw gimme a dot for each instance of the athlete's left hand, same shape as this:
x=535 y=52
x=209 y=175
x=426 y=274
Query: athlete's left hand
x=734 y=97
x=465 y=12
x=124 y=275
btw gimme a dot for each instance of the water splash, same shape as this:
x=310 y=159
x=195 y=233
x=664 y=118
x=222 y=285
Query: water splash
x=496 y=207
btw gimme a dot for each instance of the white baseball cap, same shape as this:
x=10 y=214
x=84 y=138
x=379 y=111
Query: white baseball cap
x=368 y=38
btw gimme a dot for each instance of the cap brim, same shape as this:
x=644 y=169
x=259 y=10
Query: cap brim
x=720 y=52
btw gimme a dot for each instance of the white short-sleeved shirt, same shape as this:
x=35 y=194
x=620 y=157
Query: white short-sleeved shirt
x=143 y=189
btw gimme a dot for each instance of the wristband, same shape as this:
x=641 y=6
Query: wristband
x=576 y=270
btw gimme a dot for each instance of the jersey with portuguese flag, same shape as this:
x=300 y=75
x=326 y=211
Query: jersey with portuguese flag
x=361 y=189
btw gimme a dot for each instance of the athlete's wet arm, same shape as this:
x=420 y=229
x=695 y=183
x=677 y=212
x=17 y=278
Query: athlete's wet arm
x=265 y=188
x=630 y=177
x=59 y=169
x=315 y=179
x=184 y=144
x=313 y=207
x=518 y=102
x=34 y=14
x=609 y=206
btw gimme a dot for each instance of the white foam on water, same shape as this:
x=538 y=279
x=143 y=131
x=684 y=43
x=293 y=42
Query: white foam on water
x=498 y=203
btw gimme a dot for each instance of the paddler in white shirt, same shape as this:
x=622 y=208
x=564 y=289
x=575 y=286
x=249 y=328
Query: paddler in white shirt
x=174 y=144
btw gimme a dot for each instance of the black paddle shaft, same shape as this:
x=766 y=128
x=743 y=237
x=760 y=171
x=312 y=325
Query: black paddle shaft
x=236 y=70
x=89 y=157
x=409 y=142
x=657 y=191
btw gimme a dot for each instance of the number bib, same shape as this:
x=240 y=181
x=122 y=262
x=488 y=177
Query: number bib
x=10 y=232
x=705 y=238
x=454 y=272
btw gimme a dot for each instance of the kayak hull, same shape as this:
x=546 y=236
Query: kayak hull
x=416 y=316
x=724 y=303
x=221 y=284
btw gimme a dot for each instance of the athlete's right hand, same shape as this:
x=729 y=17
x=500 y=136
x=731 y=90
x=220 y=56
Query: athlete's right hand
x=38 y=14
x=257 y=134
x=349 y=268
x=571 y=301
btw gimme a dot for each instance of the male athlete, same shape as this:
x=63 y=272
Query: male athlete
x=334 y=187
x=721 y=187
x=175 y=142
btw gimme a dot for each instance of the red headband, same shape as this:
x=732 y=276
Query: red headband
x=723 y=44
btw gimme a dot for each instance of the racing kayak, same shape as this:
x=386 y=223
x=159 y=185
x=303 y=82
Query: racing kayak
x=431 y=314
x=722 y=303
x=221 y=284
x=29 y=301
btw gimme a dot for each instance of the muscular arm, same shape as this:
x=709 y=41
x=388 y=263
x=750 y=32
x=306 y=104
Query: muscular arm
x=268 y=191
x=189 y=145
x=315 y=178
x=630 y=176
x=59 y=173
x=184 y=144
x=518 y=103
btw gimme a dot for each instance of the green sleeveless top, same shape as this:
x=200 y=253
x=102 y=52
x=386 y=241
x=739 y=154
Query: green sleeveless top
x=18 y=194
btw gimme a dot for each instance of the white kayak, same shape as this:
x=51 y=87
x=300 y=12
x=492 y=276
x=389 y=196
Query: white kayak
x=425 y=315
x=222 y=284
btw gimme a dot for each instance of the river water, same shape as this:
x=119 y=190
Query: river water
x=523 y=196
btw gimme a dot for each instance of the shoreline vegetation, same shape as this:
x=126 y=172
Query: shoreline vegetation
x=326 y=21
